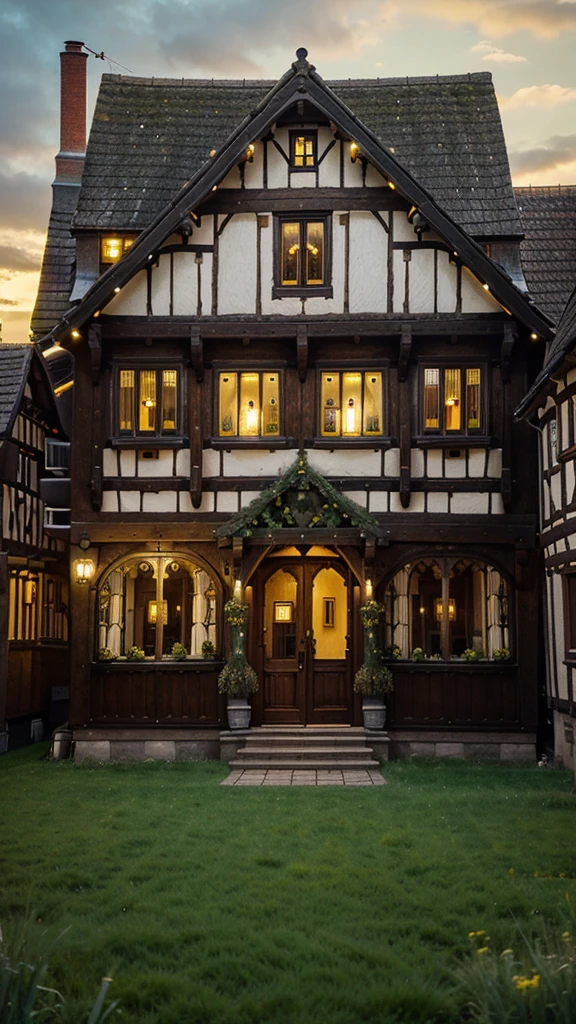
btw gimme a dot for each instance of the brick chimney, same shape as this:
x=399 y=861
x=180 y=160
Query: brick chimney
x=70 y=159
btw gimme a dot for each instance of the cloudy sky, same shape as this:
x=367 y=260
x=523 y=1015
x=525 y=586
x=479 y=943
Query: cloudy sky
x=528 y=45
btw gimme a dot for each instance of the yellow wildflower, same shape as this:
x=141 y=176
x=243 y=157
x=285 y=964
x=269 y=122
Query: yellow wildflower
x=507 y=952
x=482 y=950
x=562 y=874
x=566 y=935
x=511 y=871
x=522 y=984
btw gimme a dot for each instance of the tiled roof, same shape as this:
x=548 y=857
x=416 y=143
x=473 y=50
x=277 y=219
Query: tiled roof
x=548 y=252
x=14 y=365
x=58 y=266
x=149 y=136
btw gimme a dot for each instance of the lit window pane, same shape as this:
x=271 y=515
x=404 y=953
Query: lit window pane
x=452 y=399
x=147 y=418
x=126 y=409
x=431 y=399
x=228 y=420
x=315 y=253
x=303 y=151
x=112 y=249
x=270 y=410
x=372 y=423
x=330 y=404
x=169 y=378
x=351 y=404
x=290 y=253
x=473 y=399
x=249 y=405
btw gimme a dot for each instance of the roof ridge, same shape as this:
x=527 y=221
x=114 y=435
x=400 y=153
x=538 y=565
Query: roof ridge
x=238 y=83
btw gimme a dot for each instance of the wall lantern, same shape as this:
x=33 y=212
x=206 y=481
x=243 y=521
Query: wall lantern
x=84 y=541
x=354 y=151
x=83 y=570
x=250 y=150
x=439 y=609
x=369 y=590
x=238 y=589
x=30 y=591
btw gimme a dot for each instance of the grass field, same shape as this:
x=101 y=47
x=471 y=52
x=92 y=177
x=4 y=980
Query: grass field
x=217 y=905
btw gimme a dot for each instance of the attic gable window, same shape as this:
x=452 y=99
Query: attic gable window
x=147 y=402
x=303 y=151
x=113 y=247
x=302 y=256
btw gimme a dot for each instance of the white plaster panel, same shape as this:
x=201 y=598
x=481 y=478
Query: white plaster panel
x=185 y=300
x=475 y=298
x=247 y=496
x=416 y=462
x=455 y=469
x=446 y=284
x=109 y=463
x=226 y=501
x=317 y=306
x=183 y=462
x=161 y=286
x=109 y=501
x=360 y=462
x=237 y=266
x=559 y=632
x=403 y=230
x=132 y=299
x=185 y=502
x=495 y=463
x=497 y=505
x=162 y=501
x=469 y=504
x=571 y=376
x=203 y=233
x=127 y=463
x=206 y=505
x=329 y=169
x=259 y=463
x=210 y=462
x=232 y=179
x=556 y=490
x=399 y=271
x=129 y=501
x=544 y=448
x=160 y=467
x=352 y=172
x=368 y=264
x=569 y=477
x=303 y=179
x=206 y=283
x=374 y=179
x=416 y=502
x=437 y=502
x=476 y=462
x=254 y=171
x=378 y=501
x=564 y=425
x=360 y=497
x=277 y=165
x=392 y=462
x=422 y=281
x=546 y=496
x=434 y=463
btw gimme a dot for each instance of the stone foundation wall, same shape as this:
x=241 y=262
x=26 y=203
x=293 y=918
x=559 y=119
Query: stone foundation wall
x=105 y=745
x=564 y=740
x=480 y=746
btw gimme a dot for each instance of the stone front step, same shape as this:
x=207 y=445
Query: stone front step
x=302 y=751
x=291 y=764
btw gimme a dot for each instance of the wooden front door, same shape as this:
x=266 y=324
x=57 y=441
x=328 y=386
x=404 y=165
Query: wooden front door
x=301 y=627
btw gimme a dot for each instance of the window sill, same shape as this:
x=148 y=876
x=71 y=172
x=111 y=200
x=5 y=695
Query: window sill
x=263 y=443
x=336 y=443
x=456 y=441
x=149 y=443
x=148 y=664
x=297 y=292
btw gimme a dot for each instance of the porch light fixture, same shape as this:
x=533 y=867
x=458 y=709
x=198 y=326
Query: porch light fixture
x=439 y=609
x=369 y=590
x=84 y=541
x=83 y=570
x=534 y=336
x=392 y=186
x=354 y=151
x=116 y=290
x=237 y=589
x=75 y=334
x=250 y=150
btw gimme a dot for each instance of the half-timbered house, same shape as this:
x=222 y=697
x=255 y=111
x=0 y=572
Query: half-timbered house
x=33 y=565
x=300 y=328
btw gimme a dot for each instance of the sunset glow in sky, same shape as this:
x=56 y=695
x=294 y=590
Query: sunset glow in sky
x=527 y=45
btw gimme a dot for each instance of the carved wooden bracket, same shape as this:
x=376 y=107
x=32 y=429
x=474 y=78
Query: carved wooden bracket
x=405 y=486
x=405 y=351
x=510 y=335
x=197 y=354
x=195 y=483
x=506 y=485
x=95 y=347
x=237 y=549
x=369 y=551
x=302 y=352
x=96 y=488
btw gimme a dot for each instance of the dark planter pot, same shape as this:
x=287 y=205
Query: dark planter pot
x=373 y=713
x=239 y=712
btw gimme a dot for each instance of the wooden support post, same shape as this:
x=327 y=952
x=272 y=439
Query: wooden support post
x=95 y=347
x=445 y=622
x=197 y=354
x=195 y=431
x=4 y=646
x=302 y=352
x=510 y=335
x=96 y=456
x=405 y=424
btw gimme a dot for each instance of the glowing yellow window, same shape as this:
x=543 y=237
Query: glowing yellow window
x=452 y=400
x=373 y=422
x=302 y=254
x=249 y=404
x=228 y=417
x=126 y=404
x=431 y=399
x=270 y=405
x=290 y=254
x=303 y=150
x=315 y=252
x=113 y=247
x=330 y=405
x=147 y=417
x=473 y=399
x=351 y=404
x=169 y=381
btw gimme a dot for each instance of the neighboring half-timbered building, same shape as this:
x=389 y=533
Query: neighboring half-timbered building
x=300 y=331
x=34 y=569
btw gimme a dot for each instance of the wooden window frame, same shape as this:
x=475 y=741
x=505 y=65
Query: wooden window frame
x=294 y=134
x=345 y=440
x=135 y=438
x=301 y=290
x=246 y=440
x=123 y=238
x=569 y=609
x=477 y=434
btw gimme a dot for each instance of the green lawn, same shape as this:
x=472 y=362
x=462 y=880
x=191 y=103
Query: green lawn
x=221 y=905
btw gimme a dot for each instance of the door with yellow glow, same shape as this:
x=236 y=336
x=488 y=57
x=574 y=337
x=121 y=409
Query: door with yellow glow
x=303 y=621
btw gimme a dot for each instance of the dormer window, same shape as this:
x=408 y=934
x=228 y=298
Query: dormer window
x=113 y=247
x=303 y=151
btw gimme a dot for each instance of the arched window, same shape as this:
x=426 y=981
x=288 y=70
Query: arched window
x=153 y=602
x=446 y=607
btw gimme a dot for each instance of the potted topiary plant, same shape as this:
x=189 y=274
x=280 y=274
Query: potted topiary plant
x=237 y=679
x=105 y=654
x=135 y=653
x=471 y=654
x=208 y=650
x=501 y=654
x=374 y=679
x=418 y=654
x=179 y=652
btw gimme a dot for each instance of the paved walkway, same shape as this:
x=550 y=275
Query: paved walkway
x=287 y=777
